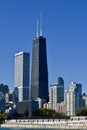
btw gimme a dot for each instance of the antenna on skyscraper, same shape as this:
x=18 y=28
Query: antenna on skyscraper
x=37 y=28
x=41 y=24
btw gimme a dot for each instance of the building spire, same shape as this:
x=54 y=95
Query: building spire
x=37 y=28
x=41 y=24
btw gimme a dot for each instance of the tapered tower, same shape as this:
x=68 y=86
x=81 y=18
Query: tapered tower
x=39 y=72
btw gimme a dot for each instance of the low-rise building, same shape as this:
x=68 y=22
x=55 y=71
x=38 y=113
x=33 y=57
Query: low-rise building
x=27 y=107
x=61 y=107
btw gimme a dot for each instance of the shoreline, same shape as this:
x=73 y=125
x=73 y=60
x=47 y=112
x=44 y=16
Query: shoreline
x=46 y=124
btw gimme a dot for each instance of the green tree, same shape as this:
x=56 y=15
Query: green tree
x=0 y=115
x=42 y=112
x=3 y=116
x=81 y=112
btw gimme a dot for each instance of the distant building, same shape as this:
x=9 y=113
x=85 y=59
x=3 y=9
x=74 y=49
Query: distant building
x=73 y=99
x=33 y=105
x=60 y=81
x=2 y=102
x=56 y=93
x=61 y=107
x=27 y=107
x=40 y=102
x=23 y=108
x=4 y=89
x=60 y=89
x=46 y=105
x=85 y=99
x=22 y=70
x=15 y=95
x=9 y=97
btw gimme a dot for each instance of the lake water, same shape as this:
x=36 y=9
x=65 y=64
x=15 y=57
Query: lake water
x=24 y=129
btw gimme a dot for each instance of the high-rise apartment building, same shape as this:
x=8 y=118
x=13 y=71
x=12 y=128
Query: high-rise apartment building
x=22 y=70
x=39 y=72
x=73 y=99
x=56 y=94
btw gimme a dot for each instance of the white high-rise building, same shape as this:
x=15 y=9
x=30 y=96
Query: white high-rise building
x=22 y=71
x=53 y=96
x=73 y=99
x=56 y=94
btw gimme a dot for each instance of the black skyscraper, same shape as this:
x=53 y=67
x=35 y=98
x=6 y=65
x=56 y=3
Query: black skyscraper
x=39 y=73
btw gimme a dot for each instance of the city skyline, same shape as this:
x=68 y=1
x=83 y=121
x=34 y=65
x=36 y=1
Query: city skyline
x=65 y=28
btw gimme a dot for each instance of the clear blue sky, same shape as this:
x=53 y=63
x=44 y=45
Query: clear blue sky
x=64 y=26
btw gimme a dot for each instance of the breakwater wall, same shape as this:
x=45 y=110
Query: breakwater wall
x=46 y=123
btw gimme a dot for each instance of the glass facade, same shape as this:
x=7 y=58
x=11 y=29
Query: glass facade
x=39 y=73
x=22 y=62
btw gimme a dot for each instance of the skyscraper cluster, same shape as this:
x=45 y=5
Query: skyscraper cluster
x=36 y=91
x=33 y=92
x=39 y=72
